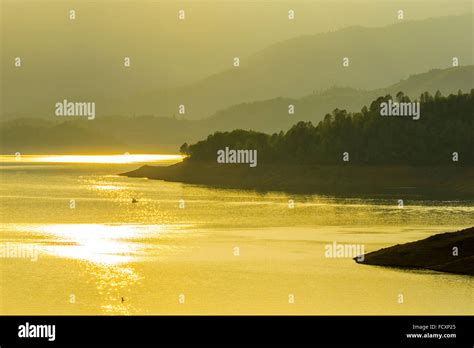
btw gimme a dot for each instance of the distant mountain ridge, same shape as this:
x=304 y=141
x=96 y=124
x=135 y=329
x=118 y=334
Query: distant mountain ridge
x=156 y=134
x=377 y=57
x=299 y=66
x=272 y=115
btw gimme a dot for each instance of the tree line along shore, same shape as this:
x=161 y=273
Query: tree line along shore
x=346 y=153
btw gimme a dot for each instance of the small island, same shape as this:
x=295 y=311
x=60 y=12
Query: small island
x=451 y=252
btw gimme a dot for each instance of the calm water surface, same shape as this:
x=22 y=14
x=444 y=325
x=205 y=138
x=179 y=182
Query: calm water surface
x=197 y=250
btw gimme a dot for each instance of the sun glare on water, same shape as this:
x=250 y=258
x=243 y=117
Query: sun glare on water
x=105 y=159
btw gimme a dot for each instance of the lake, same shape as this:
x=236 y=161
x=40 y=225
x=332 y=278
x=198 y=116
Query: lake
x=74 y=243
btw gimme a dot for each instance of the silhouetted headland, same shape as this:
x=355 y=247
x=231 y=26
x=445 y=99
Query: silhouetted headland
x=445 y=182
x=428 y=153
x=451 y=252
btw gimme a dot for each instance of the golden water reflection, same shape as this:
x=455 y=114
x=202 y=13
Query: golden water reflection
x=114 y=283
x=107 y=252
x=97 y=243
x=104 y=159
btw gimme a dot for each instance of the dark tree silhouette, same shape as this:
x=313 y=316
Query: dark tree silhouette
x=446 y=125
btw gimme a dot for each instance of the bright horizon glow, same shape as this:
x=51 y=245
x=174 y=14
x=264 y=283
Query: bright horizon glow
x=105 y=159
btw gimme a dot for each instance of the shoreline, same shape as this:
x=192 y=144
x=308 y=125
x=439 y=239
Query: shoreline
x=450 y=252
x=447 y=182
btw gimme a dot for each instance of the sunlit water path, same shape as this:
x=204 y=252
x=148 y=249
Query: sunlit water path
x=84 y=245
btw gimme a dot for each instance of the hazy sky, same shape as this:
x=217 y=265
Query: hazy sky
x=85 y=56
x=177 y=52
